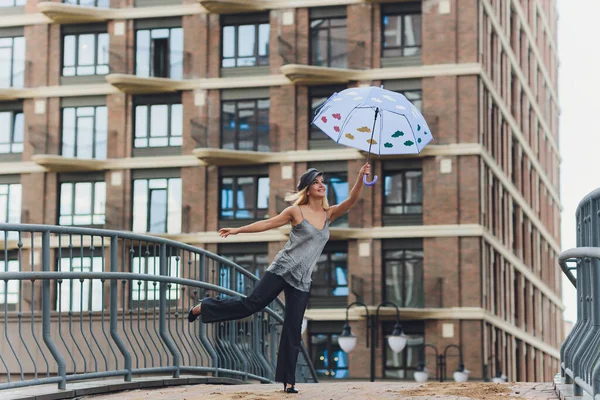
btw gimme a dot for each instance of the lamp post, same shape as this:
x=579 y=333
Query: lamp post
x=396 y=341
x=500 y=377
x=422 y=374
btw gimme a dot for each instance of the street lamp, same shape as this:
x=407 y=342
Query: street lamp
x=422 y=373
x=500 y=377
x=397 y=340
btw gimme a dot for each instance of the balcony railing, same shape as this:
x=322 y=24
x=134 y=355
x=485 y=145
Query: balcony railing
x=254 y=136
x=177 y=66
x=579 y=355
x=82 y=304
x=354 y=55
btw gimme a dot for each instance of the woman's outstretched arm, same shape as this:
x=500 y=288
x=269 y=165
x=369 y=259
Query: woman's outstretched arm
x=261 y=226
x=341 y=209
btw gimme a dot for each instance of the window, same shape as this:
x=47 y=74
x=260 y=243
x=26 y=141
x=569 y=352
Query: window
x=82 y=203
x=12 y=3
x=74 y=295
x=318 y=96
x=84 y=132
x=158 y=125
x=328 y=42
x=403 y=192
x=157 y=205
x=327 y=356
x=149 y=290
x=85 y=54
x=403 y=273
x=245 y=125
x=11 y=132
x=9 y=291
x=12 y=62
x=337 y=191
x=254 y=261
x=415 y=97
x=404 y=364
x=330 y=278
x=10 y=204
x=244 y=197
x=401 y=30
x=159 y=53
x=89 y=3
x=245 y=44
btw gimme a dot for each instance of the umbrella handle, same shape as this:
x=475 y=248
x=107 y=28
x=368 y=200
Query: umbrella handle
x=369 y=183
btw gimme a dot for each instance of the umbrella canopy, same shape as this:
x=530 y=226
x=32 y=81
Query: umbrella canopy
x=374 y=120
x=348 y=118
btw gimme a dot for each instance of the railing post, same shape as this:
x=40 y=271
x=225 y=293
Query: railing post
x=203 y=339
x=162 y=325
x=114 y=310
x=46 y=328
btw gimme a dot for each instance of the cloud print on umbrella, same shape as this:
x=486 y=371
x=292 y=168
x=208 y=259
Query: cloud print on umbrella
x=375 y=120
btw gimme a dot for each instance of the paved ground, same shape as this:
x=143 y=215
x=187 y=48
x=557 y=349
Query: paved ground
x=344 y=390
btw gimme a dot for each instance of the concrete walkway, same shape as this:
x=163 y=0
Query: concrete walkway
x=344 y=390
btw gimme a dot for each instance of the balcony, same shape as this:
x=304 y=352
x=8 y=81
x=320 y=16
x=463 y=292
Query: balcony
x=333 y=67
x=165 y=73
x=61 y=13
x=233 y=6
x=45 y=153
x=243 y=148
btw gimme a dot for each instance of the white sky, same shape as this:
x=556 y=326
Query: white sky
x=579 y=86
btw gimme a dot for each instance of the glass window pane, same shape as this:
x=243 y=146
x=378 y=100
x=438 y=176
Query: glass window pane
x=18 y=62
x=141 y=121
x=142 y=53
x=160 y=33
x=174 y=206
x=263 y=39
x=18 y=128
x=103 y=47
x=412 y=31
x=263 y=193
x=226 y=197
x=392 y=36
x=5 y=66
x=69 y=51
x=86 y=48
x=159 y=120
x=5 y=126
x=176 y=53
x=83 y=198
x=101 y=132
x=85 y=137
x=100 y=198
x=176 y=120
x=3 y=208
x=158 y=211
x=66 y=199
x=246 y=40
x=229 y=41
x=14 y=206
x=140 y=205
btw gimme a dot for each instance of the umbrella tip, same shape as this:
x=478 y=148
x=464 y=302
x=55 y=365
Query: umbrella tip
x=381 y=86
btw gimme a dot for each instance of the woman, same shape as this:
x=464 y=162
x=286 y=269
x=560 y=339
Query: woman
x=291 y=269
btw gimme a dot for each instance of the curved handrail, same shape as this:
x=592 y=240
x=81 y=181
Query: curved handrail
x=166 y=246
x=576 y=253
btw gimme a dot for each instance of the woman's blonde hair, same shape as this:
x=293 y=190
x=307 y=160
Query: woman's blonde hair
x=301 y=198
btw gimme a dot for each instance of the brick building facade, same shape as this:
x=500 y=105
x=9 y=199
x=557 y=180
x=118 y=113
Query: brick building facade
x=156 y=116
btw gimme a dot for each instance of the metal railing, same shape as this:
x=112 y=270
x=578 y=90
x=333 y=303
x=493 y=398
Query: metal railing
x=580 y=358
x=339 y=53
x=177 y=65
x=254 y=136
x=81 y=303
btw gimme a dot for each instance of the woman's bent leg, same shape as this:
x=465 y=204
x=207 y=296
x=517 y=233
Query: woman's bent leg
x=230 y=308
x=291 y=335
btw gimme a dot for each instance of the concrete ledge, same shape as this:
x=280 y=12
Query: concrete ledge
x=89 y=388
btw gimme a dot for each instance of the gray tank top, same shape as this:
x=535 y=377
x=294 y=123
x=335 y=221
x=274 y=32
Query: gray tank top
x=296 y=261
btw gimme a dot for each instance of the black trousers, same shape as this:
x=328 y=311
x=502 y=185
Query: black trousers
x=268 y=288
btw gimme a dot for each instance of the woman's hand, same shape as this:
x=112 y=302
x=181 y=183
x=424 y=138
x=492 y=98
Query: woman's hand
x=224 y=232
x=364 y=170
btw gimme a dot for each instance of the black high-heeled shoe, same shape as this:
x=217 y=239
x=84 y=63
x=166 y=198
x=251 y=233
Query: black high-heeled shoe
x=291 y=389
